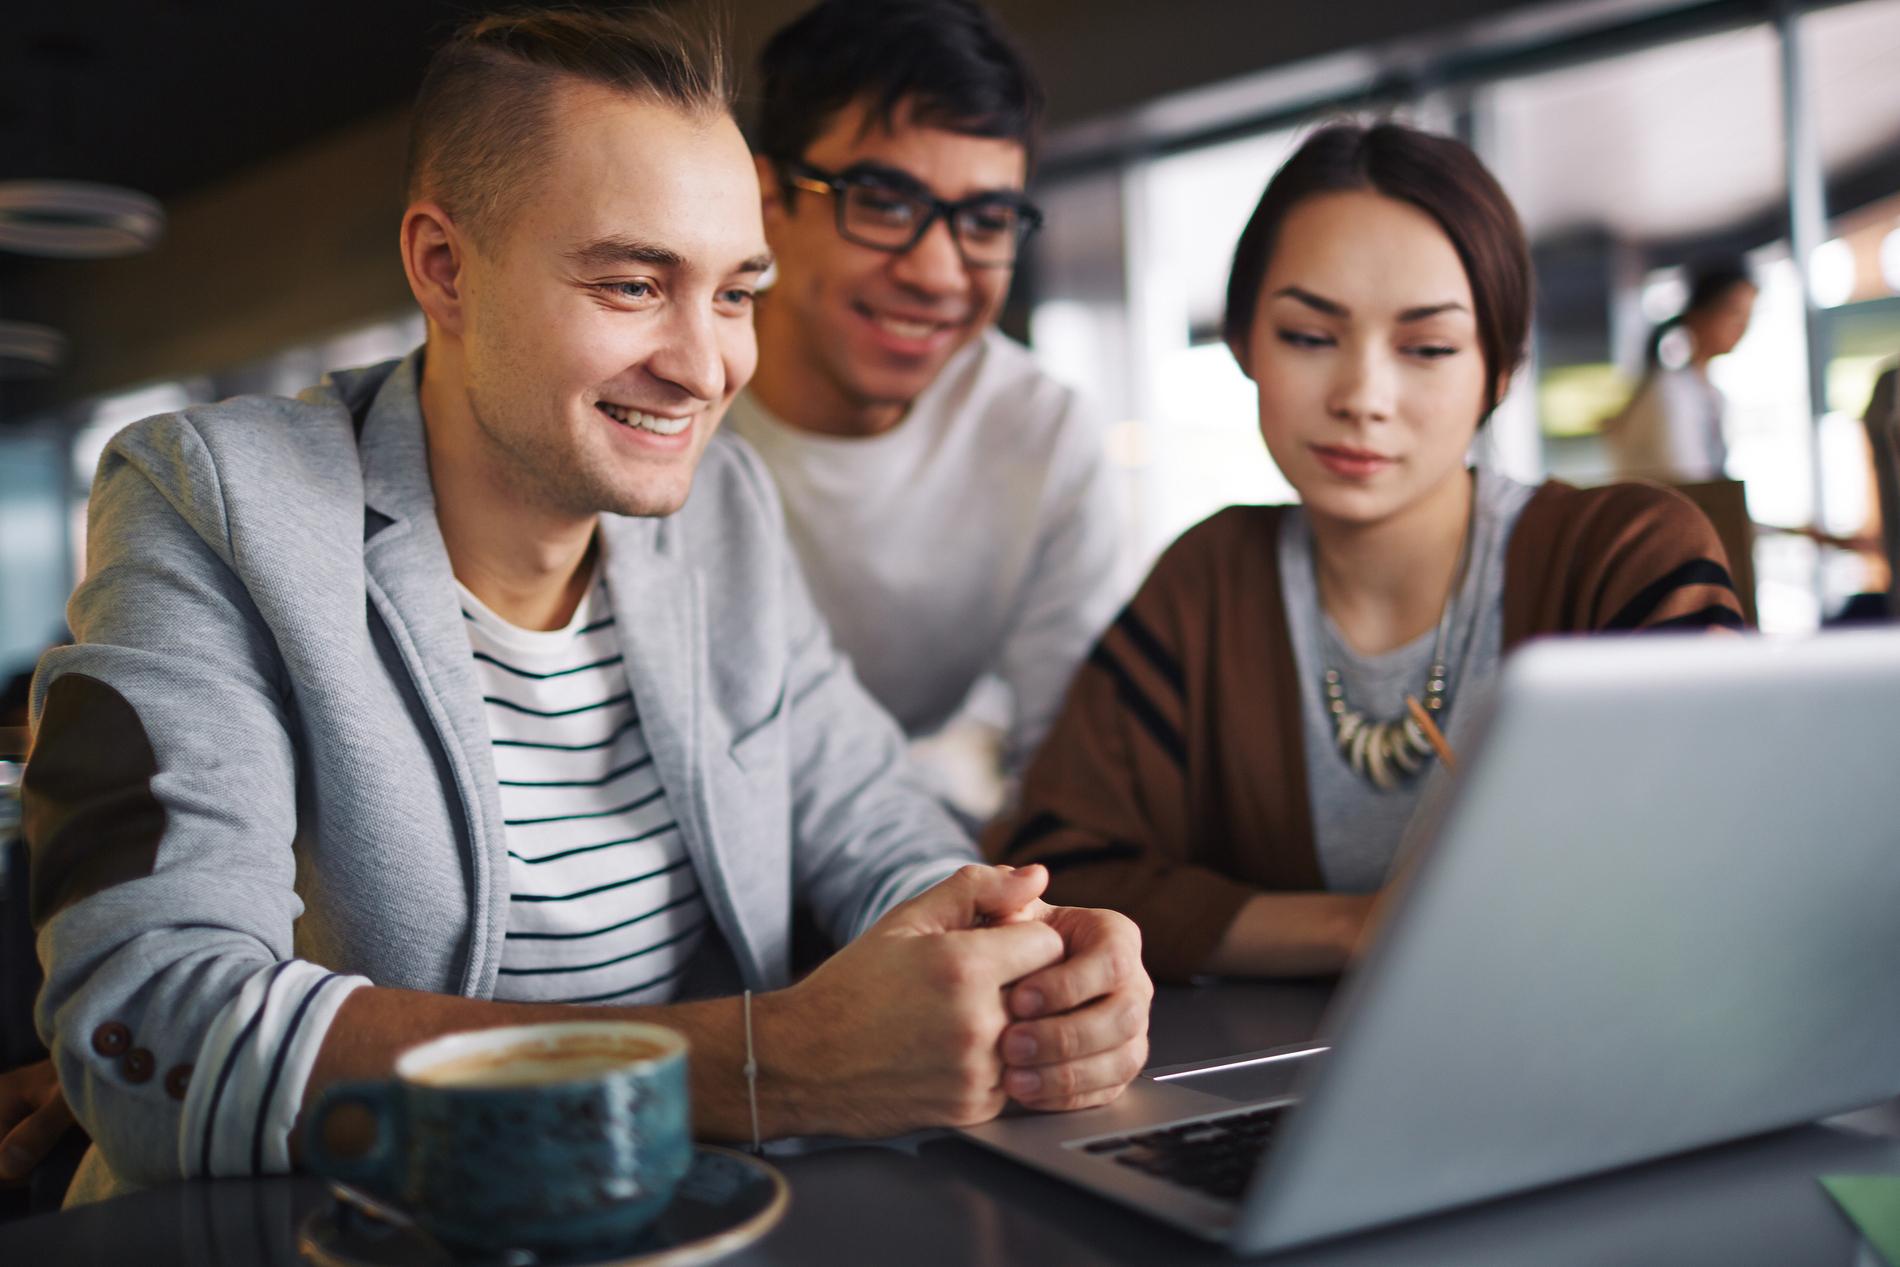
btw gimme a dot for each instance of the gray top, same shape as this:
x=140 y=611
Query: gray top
x=1356 y=826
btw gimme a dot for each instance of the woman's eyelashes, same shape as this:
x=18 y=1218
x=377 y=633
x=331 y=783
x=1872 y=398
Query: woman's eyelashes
x=1423 y=351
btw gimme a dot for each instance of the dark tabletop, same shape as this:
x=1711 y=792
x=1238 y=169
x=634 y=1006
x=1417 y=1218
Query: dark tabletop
x=934 y=1199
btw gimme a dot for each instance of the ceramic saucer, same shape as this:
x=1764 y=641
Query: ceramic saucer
x=727 y=1201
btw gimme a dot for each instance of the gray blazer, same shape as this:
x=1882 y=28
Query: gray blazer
x=268 y=741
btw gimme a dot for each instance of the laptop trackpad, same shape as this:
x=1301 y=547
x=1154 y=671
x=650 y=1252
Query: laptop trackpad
x=1262 y=1075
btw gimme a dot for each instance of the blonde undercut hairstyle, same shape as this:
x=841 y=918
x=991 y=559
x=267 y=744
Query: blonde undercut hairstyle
x=483 y=114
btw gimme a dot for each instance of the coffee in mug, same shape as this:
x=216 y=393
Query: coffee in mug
x=555 y=1138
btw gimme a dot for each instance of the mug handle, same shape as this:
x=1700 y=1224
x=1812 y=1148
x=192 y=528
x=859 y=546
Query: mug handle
x=374 y=1170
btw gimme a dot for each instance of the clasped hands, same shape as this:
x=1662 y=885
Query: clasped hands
x=971 y=994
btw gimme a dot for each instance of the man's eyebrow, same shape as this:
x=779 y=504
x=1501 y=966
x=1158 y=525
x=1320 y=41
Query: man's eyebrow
x=884 y=174
x=606 y=252
x=898 y=178
x=755 y=264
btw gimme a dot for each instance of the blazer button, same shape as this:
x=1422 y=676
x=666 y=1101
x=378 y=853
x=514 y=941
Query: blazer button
x=111 y=1039
x=177 y=1081
x=138 y=1065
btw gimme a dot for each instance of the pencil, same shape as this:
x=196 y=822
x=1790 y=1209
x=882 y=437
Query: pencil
x=1432 y=732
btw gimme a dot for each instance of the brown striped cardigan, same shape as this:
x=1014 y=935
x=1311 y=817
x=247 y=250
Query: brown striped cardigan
x=1173 y=786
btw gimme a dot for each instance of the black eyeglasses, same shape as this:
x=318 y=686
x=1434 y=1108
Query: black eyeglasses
x=877 y=211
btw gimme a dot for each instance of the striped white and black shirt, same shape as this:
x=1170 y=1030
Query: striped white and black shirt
x=603 y=906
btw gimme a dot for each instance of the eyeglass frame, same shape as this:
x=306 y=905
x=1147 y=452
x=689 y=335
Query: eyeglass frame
x=798 y=174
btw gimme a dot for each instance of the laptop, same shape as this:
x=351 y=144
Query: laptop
x=1658 y=909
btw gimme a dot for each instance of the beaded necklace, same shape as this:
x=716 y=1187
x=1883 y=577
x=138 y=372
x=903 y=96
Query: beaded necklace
x=1385 y=753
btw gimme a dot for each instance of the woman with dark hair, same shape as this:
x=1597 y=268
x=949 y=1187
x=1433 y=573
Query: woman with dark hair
x=1672 y=428
x=1235 y=763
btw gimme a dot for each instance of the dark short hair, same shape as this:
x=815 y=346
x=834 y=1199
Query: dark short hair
x=482 y=116
x=948 y=60
x=1712 y=277
x=1436 y=174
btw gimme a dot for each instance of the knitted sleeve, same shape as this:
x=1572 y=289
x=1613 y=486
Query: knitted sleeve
x=1105 y=804
x=1615 y=559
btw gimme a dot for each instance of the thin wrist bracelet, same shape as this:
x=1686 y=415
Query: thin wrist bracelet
x=752 y=1076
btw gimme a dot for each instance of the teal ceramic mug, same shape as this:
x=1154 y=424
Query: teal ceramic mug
x=555 y=1138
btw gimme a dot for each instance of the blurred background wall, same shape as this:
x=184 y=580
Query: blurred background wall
x=1634 y=135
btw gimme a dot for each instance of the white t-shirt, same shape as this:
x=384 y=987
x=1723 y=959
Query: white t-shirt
x=979 y=537
x=1671 y=430
x=604 y=906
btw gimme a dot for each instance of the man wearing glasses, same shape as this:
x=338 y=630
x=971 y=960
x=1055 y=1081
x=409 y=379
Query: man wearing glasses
x=949 y=501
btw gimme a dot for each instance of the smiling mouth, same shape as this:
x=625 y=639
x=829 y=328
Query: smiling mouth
x=903 y=327
x=629 y=417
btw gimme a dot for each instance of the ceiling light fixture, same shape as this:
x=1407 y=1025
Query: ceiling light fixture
x=77 y=220
x=30 y=351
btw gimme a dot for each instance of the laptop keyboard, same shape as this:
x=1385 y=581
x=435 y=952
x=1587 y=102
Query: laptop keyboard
x=1216 y=1156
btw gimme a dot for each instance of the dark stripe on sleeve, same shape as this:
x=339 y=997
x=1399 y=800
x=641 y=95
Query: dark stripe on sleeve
x=674 y=940
x=1158 y=727
x=1695 y=572
x=1151 y=648
x=629 y=807
x=1039 y=826
x=230 y=1063
x=277 y=1069
x=609 y=662
x=1116 y=852
x=623 y=698
x=1714 y=616
x=599 y=624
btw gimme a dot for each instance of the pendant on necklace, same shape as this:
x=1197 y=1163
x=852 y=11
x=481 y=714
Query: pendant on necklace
x=1384 y=753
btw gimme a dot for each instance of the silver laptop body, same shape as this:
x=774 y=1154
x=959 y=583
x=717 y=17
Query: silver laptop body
x=1660 y=909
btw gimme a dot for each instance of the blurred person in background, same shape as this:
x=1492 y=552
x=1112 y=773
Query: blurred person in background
x=1672 y=429
x=1237 y=761
x=950 y=502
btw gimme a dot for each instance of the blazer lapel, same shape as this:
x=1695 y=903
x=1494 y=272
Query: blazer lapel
x=659 y=609
x=412 y=588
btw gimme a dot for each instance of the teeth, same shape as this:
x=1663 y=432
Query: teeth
x=646 y=422
x=907 y=329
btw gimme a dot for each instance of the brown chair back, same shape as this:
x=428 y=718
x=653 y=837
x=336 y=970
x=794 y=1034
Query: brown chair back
x=1883 y=441
x=1727 y=508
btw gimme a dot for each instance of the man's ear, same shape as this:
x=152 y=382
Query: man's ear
x=435 y=258
x=771 y=196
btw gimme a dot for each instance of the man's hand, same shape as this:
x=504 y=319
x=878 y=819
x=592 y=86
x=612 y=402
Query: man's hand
x=1081 y=1032
x=33 y=1117
x=901 y=1028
